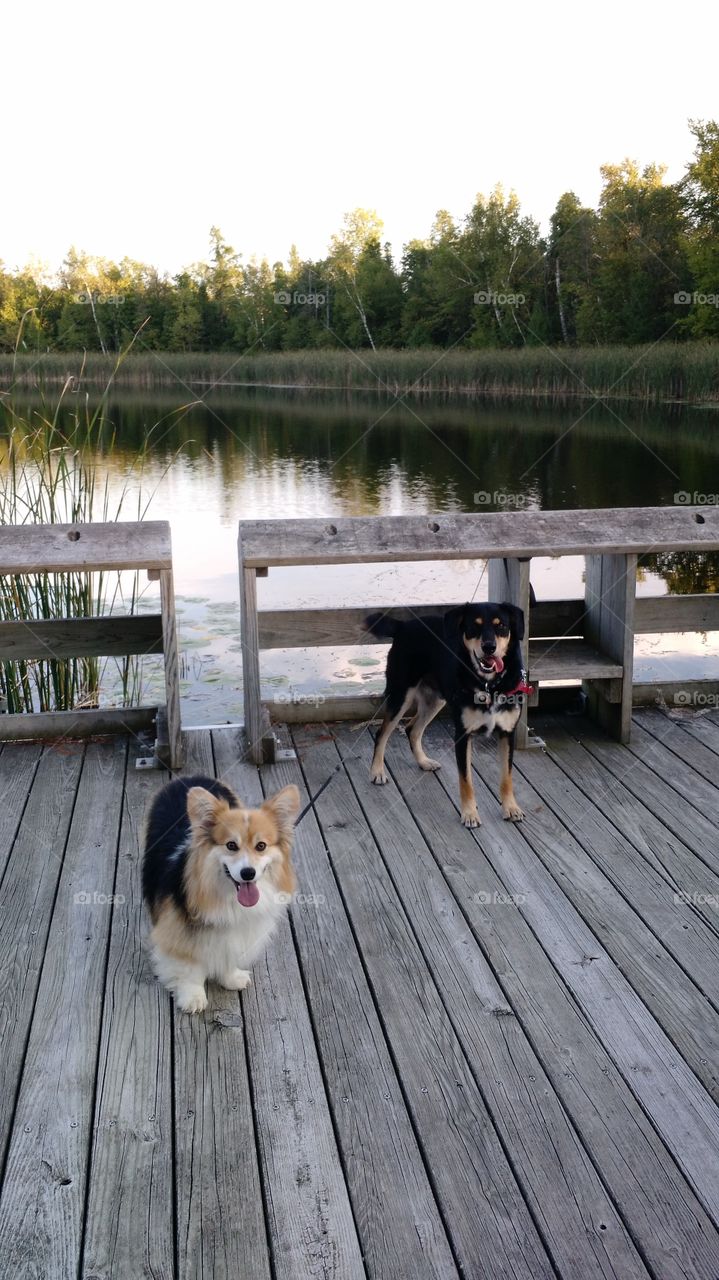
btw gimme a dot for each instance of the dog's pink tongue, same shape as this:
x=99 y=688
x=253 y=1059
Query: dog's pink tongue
x=497 y=664
x=248 y=895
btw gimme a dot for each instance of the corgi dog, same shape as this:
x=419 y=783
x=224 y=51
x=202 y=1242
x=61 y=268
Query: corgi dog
x=216 y=877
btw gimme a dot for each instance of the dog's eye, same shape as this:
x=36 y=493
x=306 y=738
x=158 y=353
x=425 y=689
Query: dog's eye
x=261 y=844
x=233 y=846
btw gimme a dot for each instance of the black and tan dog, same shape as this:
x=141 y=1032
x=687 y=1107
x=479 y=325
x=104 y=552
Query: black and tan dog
x=469 y=658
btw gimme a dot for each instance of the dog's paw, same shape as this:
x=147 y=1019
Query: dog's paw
x=512 y=812
x=191 y=999
x=470 y=818
x=430 y=766
x=237 y=980
x=379 y=777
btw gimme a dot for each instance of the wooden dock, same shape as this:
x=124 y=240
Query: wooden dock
x=488 y=1053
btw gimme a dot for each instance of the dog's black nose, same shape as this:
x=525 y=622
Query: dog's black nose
x=488 y=648
x=247 y=873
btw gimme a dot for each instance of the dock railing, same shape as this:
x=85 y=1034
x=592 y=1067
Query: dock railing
x=95 y=548
x=590 y=639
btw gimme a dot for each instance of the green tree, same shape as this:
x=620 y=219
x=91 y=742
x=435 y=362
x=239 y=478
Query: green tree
x=21 y=311
x=361 y=230
x=571 y=263
x=184 y=321
x=438 y=288
x=699 y=192
x=641 y=257
x=502 y=254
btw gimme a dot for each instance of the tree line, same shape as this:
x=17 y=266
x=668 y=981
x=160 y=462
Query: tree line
x=641 y=267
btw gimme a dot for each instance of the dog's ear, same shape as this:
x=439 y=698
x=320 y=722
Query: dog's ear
x=454 y=619
x=516 y=618
x=284 y=807
x=202 y=809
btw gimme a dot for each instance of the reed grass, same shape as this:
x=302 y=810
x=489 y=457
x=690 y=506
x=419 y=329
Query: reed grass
x=50 y=475
x=662 y=372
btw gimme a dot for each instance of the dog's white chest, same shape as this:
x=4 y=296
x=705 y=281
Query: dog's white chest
x=486 y=719
x=506 y=718
x=478 y=720
x=237 y=937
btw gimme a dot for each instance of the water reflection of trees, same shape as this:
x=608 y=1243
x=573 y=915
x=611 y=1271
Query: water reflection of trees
x=265 y=453
x=686 y=572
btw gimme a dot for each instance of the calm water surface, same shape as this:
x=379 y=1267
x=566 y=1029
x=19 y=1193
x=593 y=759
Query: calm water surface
x=279 y=454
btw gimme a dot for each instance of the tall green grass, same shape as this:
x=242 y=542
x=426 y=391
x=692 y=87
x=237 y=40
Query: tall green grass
x=54 y=476
x=665 y=371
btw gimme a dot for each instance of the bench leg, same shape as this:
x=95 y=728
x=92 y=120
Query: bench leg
x=611 y=587
x=509 y=580
x=257 y=722
x=172 y=674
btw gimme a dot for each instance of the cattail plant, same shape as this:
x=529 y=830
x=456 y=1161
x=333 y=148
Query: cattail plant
x=50 y=475
x=679 y=371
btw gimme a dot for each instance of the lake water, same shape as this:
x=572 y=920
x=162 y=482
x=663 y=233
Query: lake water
x=276 y=454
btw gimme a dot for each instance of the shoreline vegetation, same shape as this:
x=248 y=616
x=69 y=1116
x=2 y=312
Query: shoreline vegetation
x=686 y=372
x=50 y=475
x=619 y=301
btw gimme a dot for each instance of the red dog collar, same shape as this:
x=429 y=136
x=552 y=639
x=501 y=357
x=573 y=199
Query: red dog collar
x=522 y=687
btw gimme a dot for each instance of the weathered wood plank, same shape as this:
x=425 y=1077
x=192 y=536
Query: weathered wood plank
x=58 y=548
x=566 y=1195
x=130 y=1211
x=221 y=1228
x=261 y=741
x=399 y=1225
x=609 y=624
x=705 y=728
x=172 y=674
x=41 y=1213
x=683 y=1112
x=662 y=743
x=483 y=1208
x=655 y=1199
x=627 y=900
x=26 y=899
x=324 y=708
x=570 y=660
x=328 y=708
x=81 y=637
x=310 y=1216
x=685 y=870
x=685 y=820
x=17 y=770
x=319 y=628
x=453 y=536
x=674 y=693
x=52 y=725
x=676 y=613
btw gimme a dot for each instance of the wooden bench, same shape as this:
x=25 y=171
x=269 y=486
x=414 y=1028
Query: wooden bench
x=94 y=548
x=591 y=640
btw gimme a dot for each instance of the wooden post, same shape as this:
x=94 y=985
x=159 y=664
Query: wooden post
x=609 y=625
x=172 y=674
x=257 y=721
x=509 y=581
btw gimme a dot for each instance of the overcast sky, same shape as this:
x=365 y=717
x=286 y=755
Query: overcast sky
x=131 y=129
